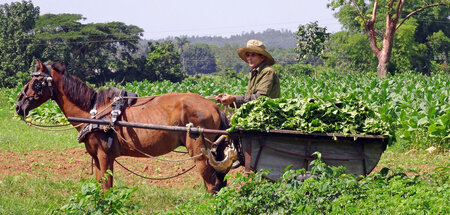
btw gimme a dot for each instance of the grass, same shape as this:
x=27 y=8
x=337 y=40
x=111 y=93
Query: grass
x=34 y=194
x=26 y=194
x=17 y=136
x=419 y=160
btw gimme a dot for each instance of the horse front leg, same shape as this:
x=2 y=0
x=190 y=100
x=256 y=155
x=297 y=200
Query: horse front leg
x=105 y=163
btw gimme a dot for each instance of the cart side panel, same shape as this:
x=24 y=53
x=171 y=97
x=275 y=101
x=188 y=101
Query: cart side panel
x=275 y=160
x=272 y=151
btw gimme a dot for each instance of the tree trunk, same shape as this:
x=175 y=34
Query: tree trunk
x=315 y=67
x=384 y=56
x=383 y=66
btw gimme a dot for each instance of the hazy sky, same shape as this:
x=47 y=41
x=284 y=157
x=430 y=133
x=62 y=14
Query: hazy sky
x=162 y=18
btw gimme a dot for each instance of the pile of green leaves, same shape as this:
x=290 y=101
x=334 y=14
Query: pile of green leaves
x=342 y=114
x=328 y=191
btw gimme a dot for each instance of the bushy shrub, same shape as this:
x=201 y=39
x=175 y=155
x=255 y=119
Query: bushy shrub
x=92 y=200
x=298 y=69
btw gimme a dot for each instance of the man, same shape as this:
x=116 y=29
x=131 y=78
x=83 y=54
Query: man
x=263 y=80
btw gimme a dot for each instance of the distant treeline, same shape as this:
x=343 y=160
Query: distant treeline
x=272 y=38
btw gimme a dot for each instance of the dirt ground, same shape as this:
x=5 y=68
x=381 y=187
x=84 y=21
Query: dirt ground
x=75 y=164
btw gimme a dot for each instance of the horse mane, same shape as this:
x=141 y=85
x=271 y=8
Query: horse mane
x=85 y=96
x=106 y=95
x=78 y=92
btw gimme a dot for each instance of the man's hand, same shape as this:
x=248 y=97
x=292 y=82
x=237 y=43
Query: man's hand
x=225 y=99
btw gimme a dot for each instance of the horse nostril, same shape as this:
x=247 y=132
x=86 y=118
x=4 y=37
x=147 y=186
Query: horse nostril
x=19 y=110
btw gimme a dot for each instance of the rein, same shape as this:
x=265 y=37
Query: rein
x=154 y=157
x=227 y=108
x=151 y=178
x=46 y=127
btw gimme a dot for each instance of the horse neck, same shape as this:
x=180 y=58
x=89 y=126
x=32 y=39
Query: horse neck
x=69 y=105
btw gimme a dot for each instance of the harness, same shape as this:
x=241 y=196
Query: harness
x=120 y=102
x=38 y=86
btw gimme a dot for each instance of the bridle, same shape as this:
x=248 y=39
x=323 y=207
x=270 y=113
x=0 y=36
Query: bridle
x=38 y=86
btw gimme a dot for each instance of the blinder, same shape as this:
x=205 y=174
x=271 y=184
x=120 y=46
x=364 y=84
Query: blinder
x=38 y=86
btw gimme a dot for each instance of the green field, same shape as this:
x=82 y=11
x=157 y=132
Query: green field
x=416 y=106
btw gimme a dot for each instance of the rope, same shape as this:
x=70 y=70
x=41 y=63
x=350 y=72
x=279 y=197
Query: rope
x=44 y=127
x=151 y=178
x=49 y=129
x=154 y=157
x=49 y=126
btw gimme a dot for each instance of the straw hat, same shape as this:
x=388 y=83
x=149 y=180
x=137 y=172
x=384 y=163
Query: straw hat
x=258 y=47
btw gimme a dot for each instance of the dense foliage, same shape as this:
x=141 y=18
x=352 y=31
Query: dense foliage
x=410 y=24
x=95 y=52
x=163 y=63
x=199 y=59
x=328 y=191
x=344 y=114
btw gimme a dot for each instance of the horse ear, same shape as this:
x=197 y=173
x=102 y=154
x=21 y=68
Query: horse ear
x=58 y=67
x=39 y=65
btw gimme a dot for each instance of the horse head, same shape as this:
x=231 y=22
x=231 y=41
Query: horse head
x=38 y=90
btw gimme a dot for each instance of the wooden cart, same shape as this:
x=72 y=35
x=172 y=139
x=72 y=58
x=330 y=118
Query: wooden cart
x=277 y=149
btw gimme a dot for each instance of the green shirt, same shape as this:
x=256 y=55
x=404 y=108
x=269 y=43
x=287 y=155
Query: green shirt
x=263 y=80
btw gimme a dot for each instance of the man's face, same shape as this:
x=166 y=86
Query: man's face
x=254 y=59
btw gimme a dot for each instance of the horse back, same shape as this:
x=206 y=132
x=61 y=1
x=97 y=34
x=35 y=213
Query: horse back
x=176 y=109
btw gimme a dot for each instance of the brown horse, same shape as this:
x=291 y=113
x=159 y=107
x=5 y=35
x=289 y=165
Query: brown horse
x=76 y=99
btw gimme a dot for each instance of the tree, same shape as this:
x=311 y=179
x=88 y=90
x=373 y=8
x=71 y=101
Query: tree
x=163 y=62
x=440 y=45
x=182 y=43
x=16 y=43
x=349 y=52
x=227 y=58
x=367 y=11
x=310 y=42
x=199 y=59
x=98 y=52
